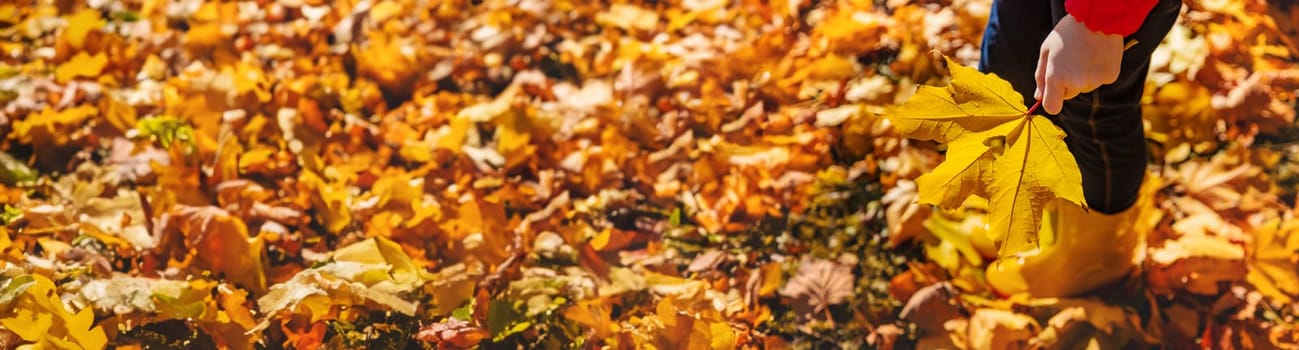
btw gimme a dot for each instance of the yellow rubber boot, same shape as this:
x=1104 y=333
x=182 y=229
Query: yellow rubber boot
x=1079 y=251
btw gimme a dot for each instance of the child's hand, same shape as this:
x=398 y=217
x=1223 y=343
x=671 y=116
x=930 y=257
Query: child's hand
x=1075 y=60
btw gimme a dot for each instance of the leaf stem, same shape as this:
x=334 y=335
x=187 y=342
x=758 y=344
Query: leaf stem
x=1034 y=108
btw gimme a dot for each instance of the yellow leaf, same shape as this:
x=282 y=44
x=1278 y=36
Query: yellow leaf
x=226 y=165
x=84 y=320
x=1274 y=269
x=52 y=128
x=248 y=77
x=39 y=316
x=29 y=324
x=385 y=60
x=403 y=270
x=80 y=25
x=853 y=31
x=221 y=243
x=995 y=149
x=416 y=151
x=385 y=10
x=593 y=315
x=719 y=335
x=81 y=65
x=257 y=159
x=453 y=135
x=973 y=102
x=329 y=291
x=513 y=136
x=331 y=200
x=118 y=113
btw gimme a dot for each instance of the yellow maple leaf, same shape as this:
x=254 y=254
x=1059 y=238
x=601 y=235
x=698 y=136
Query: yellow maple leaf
x=1273 y=262
x=38 y=315
x=995 y=149
x=81 y=65
x=80 y=25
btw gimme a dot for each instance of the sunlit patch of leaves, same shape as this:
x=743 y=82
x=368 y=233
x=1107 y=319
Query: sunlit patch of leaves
x=844 y=217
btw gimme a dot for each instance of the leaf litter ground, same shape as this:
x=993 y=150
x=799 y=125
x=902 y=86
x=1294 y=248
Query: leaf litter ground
x=555 y=174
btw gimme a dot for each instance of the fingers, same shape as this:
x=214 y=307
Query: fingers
x=1053 y=92
x=1109 y=80
x=1043 y=59
x=1069 y=94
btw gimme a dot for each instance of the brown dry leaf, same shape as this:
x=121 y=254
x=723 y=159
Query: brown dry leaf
x=818 y=284
x=121 y=216
x=1092 y=322
x=1197 y=264
x=1216 y=182
x=302 y=334
x=1254 y=100
x=930 y=309
x=905 y=215
x=999 y=329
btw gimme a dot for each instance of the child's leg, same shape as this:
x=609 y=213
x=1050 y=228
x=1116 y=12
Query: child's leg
x=1104 y=133
x=1104 y=126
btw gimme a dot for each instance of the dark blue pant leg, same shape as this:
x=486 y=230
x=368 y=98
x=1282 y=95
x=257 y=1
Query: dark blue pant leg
x=1104 y=129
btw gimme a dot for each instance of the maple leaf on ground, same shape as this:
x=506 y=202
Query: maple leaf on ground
x=820 y=283
x=995 y=149
x=1273 y=268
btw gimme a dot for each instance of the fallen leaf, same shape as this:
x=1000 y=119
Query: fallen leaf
x=818 y=284
x=217 y=241
x=930 y=309
x=81 y=66
x=1197 y=264
x=372 y=273
x=80 y=24
x=1273 y=260
x=1092 y=322
x=999 y=329
x=452 y=331
x=52 y=128
x=37 y=315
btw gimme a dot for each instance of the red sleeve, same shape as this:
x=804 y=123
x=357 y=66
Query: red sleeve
x=1121 y=17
